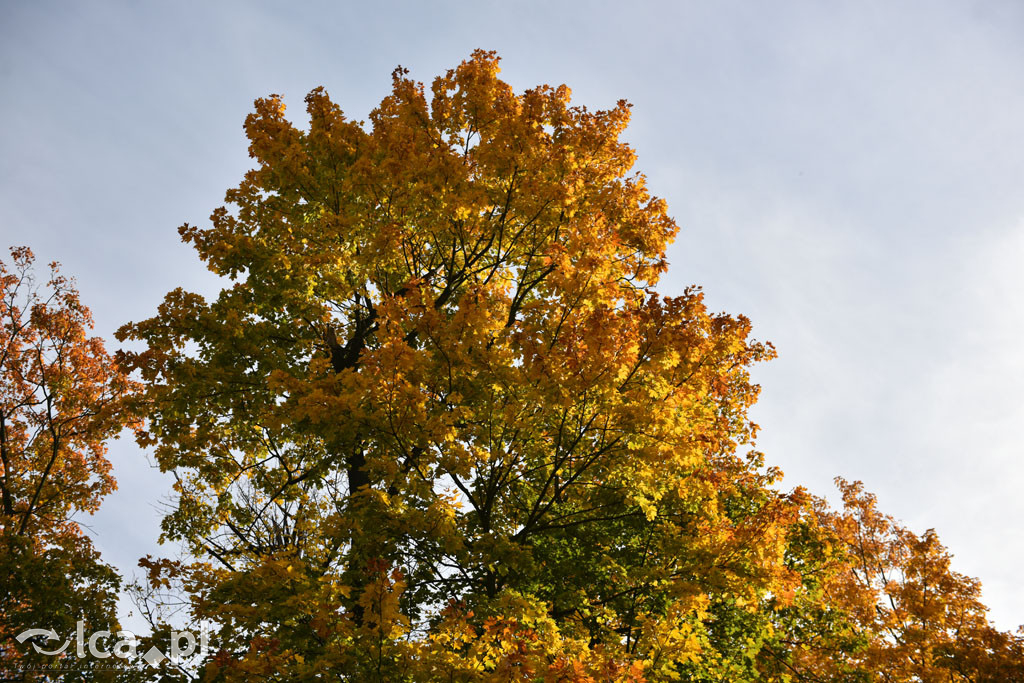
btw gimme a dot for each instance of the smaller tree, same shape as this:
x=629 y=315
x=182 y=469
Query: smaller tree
x=930 y=622
x=62 y=396
x=879 y=602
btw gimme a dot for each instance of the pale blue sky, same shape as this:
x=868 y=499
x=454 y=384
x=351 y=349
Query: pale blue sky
x=847 y=174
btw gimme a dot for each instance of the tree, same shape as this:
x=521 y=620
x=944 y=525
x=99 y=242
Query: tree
x=441 y=426
x=885 y=604
x=61 y=397
x=441 y=397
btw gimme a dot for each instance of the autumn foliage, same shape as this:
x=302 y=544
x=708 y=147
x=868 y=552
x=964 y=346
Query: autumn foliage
x=441 y=426
x=62 y=396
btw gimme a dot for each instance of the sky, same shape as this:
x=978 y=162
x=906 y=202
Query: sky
x=846 y=174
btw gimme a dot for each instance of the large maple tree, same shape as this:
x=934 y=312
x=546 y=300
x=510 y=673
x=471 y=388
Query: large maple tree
x=441 y=426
